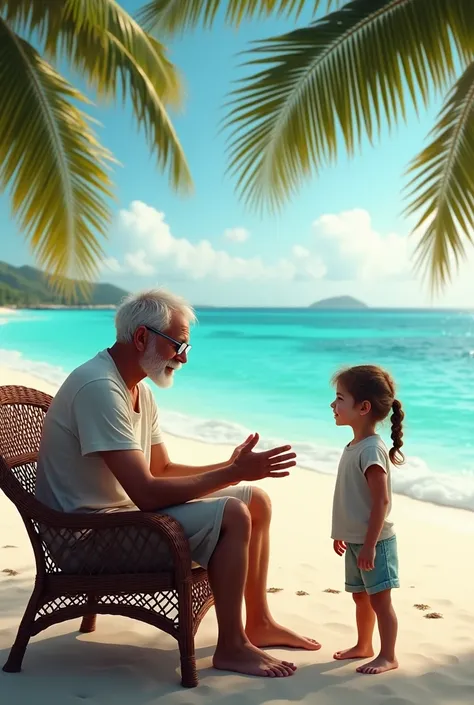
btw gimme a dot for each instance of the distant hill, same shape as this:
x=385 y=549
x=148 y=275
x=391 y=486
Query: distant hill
x=27 y=287
x=341 y=302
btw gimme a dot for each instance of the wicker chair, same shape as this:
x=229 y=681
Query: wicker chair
x=69 y=581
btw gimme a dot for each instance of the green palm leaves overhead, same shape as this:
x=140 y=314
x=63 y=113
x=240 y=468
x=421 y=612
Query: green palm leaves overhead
x=317 y=89
x=56 y=172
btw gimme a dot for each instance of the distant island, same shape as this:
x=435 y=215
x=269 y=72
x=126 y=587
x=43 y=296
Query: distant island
x=27 y=287
x=341 y=302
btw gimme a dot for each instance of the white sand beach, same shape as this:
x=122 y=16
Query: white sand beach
x=126 y=662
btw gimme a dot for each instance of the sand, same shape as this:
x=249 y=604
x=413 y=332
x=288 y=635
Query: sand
x=128 y=662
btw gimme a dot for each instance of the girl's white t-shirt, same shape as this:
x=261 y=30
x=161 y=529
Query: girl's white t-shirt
x=352 y=500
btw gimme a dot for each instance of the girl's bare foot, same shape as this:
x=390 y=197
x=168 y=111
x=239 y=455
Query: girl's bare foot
x=251 y=661
x=273 y=634
x=355 y=652
x=378 y=665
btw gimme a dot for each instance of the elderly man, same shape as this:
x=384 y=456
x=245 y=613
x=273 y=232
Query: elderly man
x=102 y=450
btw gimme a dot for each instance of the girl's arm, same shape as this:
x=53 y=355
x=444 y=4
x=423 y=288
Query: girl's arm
x=377 y=481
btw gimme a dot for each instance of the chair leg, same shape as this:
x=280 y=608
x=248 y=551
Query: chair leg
x=17 y=652
x=189 y=677
x=88 y=623
x=89 y=620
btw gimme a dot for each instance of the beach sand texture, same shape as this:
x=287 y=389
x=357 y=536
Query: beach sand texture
x=126 y=662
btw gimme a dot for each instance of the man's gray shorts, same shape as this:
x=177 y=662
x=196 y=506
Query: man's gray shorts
x=201 y=520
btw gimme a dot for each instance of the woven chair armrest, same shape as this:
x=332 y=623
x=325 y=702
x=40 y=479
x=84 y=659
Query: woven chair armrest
x=167 y=527
x=108 y=520
x=29 y=507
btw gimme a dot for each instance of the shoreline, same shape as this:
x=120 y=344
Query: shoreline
x=9 y=310
x=5 y=310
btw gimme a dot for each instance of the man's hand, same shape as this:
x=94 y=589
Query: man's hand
x=237 y=453
x=339 y=547
x=250 y=465
x=366 y=559
x=240 y=448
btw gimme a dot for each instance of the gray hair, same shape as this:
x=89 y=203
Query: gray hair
x=152 y=307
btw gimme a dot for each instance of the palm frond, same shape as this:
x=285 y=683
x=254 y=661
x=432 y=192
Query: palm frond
x=114 y=53
x=348 y=72
x=54 y=168
x=443 y=185
x=172 y=17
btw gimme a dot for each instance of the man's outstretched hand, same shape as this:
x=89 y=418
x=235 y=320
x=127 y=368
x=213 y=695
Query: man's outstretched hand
x=248 y=464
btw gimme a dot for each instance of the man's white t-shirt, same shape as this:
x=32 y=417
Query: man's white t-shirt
x=92 y=412
x=352 y=503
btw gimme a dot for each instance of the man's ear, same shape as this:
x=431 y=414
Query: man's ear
x=140 y=338
x=365 y=408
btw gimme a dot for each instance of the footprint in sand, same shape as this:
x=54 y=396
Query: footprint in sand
x=421 y=607
x=433 y=615
x=444 y=603
x=451 y=660
x=274 y=589
x=331 y=591
x=10 y=571
x=338 y=627
x=9 y=546
x=382 y=689
x=302 y=593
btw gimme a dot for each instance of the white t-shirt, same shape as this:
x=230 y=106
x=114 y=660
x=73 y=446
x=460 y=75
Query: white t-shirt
x=352 y=500
x=92 y=412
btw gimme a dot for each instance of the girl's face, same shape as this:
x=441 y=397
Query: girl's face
x=346 y=411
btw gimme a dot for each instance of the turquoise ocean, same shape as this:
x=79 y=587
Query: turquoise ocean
x=269 y=370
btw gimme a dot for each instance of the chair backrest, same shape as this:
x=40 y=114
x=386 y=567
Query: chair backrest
x=22 y=412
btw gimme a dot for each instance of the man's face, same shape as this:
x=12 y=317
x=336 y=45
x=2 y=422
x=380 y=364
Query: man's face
x=160 y=359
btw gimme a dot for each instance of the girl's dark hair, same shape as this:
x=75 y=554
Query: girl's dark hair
x=373 y=384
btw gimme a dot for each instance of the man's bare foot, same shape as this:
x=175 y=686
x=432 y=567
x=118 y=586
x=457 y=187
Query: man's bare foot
x=249 y=660
x=273 y=634
x=356 y=652
x=378 y=665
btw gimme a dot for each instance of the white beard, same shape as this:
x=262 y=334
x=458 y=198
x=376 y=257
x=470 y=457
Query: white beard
x=156 y=369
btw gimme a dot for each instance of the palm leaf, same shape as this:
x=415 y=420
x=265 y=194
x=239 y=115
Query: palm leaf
x=347 y=73
x=443 y=185
x=175 y=16
x=51 y=161
x=128 y=59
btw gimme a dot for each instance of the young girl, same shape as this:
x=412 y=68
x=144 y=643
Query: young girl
x=361 y=528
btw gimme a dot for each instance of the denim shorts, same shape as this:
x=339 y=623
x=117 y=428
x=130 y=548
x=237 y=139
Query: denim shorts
x=384 y=576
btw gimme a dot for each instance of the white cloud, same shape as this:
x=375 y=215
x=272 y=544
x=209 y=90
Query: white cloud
x=353 y=250
x=345 y=250
x=238 y=235
x=111 y=264
x=161 y=253
x=310 y=266
x=301 y=252
x=137 y=264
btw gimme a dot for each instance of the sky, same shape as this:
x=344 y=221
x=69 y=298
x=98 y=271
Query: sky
x=344 y=233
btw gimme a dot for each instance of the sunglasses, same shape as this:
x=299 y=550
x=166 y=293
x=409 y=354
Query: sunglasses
x=181 y=348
